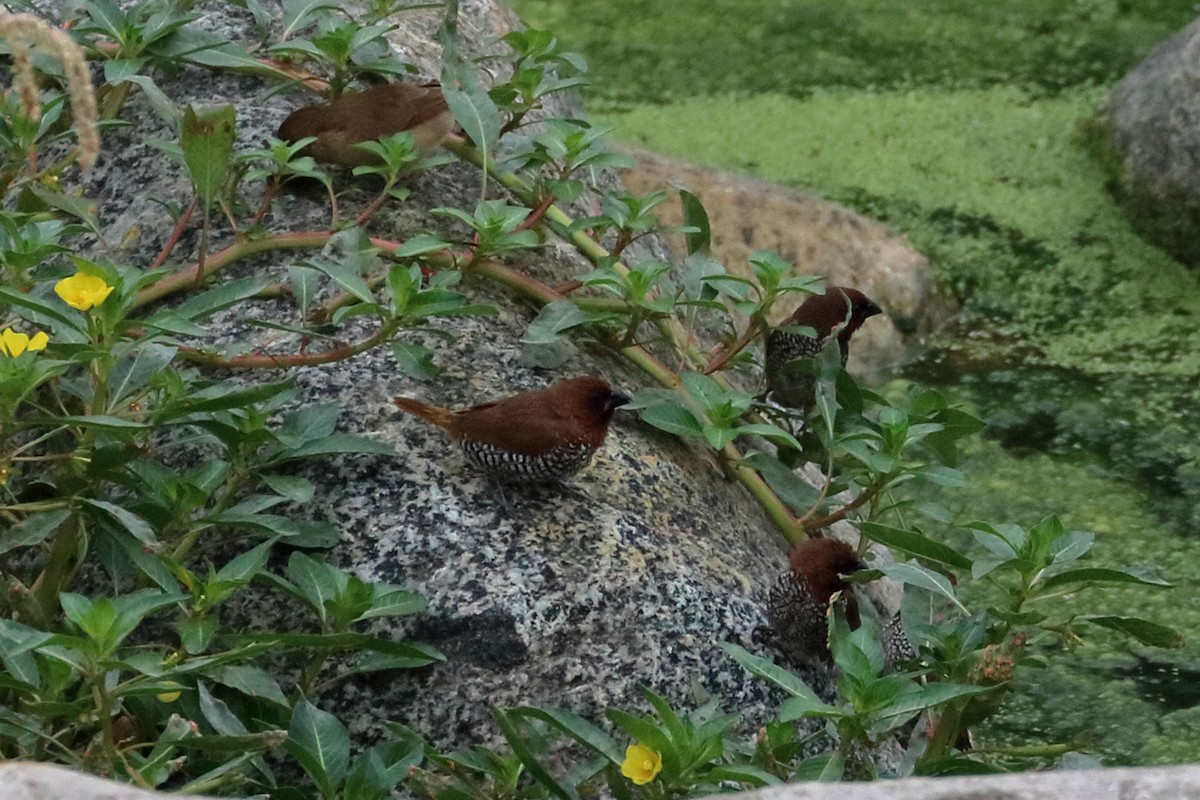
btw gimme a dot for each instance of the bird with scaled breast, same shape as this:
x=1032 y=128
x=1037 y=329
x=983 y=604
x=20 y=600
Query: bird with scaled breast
x=798 y=605
x=357 y=117
x=791 y=380
x=542 y=435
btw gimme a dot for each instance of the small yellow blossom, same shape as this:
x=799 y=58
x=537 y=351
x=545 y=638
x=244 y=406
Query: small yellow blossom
x=82 y=291
x=642 y=764
x=13 y=343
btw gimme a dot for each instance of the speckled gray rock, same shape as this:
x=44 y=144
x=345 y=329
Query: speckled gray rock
x=1155 y=111
x=1154 y=117
x=564 y=599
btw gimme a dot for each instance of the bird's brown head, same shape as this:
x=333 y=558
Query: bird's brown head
x=822 y=563
x=824 y=312
x=593 y=397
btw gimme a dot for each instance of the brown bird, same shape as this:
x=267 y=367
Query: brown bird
x=798 y=605
x=543 y=435
x=363 y=116
x=790 y=377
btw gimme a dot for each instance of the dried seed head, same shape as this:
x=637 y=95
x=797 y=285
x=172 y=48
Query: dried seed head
x=26 y=31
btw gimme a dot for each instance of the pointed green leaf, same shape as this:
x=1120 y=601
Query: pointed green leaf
x=207 y=143
x=1146 y=632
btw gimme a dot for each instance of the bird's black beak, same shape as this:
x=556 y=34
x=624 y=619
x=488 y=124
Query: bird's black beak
x=615 y=401
x=870 y=310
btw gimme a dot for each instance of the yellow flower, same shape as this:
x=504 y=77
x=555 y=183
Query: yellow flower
x=13 y=343
x=82 y=291
x=641 y=764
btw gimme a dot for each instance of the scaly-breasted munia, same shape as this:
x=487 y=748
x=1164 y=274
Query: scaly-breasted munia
x=542 y=435
x=798 y=605
x=363 y=116
x=789 y=368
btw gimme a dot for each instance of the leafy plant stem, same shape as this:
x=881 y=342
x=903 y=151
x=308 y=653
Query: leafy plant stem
x=753 y=329
x=186 y=278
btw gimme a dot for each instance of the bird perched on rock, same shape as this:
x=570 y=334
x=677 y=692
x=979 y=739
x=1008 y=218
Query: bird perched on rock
x=798 y=605
x=542 y=435
x=790 y=377
x=363 y=116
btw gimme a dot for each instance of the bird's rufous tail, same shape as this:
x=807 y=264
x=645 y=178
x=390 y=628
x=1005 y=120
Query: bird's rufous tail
x=436 y=414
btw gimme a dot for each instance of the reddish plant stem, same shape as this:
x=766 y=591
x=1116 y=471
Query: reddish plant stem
x=863 y=498
x=176 y=233
x=338 y=352
x=735 y=347
x=371 y=208
x=268 y=195
x=568 y=287
x=185 y=278
x=535 y=216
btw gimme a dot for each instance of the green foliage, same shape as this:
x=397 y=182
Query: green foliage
x=646 y=54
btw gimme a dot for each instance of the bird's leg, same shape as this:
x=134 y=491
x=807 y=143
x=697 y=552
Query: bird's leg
x=572 y=489
x=498 y=485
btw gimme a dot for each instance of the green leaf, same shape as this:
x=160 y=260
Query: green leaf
x=643 y=731
x=103 y=422
x=391 y=602
x=207 y=143
x=320 y=743
x=919 y=576
x=316 y=581
x=245 y=566
x=348 y=276
x=931 y=695
x=17 y=639
x=521 y=751
x=227 y=294
x=137 y=526
x=250 y=681
x=769 y=671
x=419 y=245
x=231 y=56
x=1101 y=574
x=743 y=773
x=674 y=725
x=699 y=239
x=303 y=281
x=1146 y=632
x=196 y=633
x=915 y=544
x=298 y=13
x=41 y=310
x=795 y=708
x=1071 y=546
x=673 y=419
x=217 y=713
x=469 y=102
x=771 y=433
x=799 y=495
x=32 y=530
x=415 y=361
x=337 y=443
x=577 y=728
x=296 y=488
x=82 y=208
